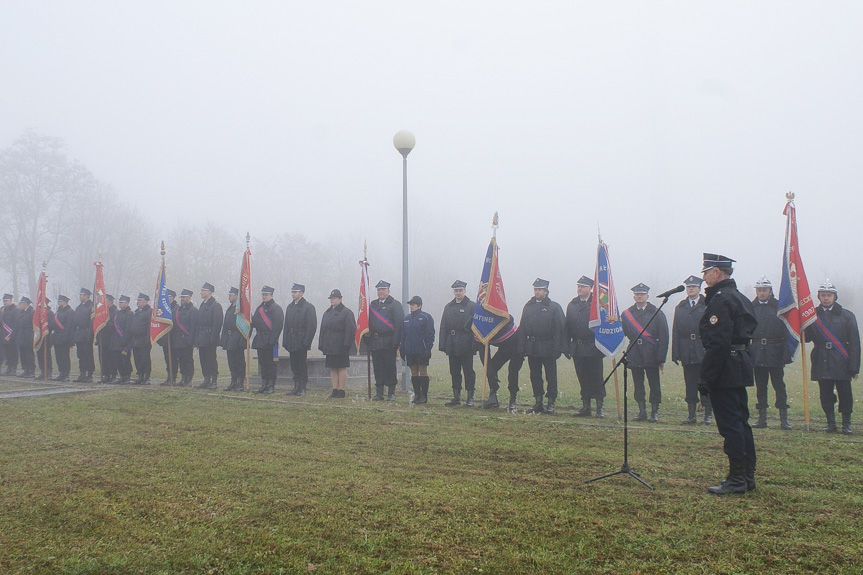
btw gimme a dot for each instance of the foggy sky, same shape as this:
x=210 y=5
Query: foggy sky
x=674 y=127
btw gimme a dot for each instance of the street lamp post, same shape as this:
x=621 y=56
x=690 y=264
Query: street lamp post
x=404 y=142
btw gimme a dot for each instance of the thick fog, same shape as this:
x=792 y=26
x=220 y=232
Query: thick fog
x=673 y=127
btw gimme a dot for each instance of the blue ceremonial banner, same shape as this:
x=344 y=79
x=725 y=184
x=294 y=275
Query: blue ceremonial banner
x=491 y=315
x=162 y=319
x=604 y=314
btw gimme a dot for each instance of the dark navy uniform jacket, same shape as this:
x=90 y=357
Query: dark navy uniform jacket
x=543 y=328
x=141 y=326
x=382 y=335
x=649 y=351
x=185 y=325
x=266 y=336
x=828 y=362
x=232 y=338
x=686 y=342
x=581 y=341
x=209 y=323
x=456 y=334
x=417 y=337
x=726 y=330
x=24 y=327
x=121 y=327
x=9 y=317
x=82 y=331
x=301 y=324
x=338 y=331
x=61 y=326
x=770 y=340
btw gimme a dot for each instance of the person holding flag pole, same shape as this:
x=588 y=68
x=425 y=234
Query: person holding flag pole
x=161 y=323
x=492 y=322
x=244 y=307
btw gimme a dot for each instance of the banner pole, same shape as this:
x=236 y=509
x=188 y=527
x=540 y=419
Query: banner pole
x=171 y=373
x=369 y=364
x=805 y=379
x=44 y=358
x=616 y=387
x=101 y=369
x=248 y=362
x=485 y=370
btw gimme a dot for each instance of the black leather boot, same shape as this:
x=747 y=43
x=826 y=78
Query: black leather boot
x=512 y=404
x=750 y=476
x=415 y=386
x=301 y=391
x=691 y=418
x=762 y=420
x=265 y=383
x=735 y=483
x=537 y=407
x=831 y=423
x=204 y=384
x=379 y=393
x=783 y=419
x=456 y=398
x=654 y=412
x=296 y=388
x=585 y=409
x=391 y=393
x=599 y=413
x=846 y=424
x=708 y=416
x=469 y=401
x=549 y=409
x=491 y=402
x=642 y=411
x=335 y=393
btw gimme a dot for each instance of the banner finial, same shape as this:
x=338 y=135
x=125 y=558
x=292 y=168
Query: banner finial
x=789 y=196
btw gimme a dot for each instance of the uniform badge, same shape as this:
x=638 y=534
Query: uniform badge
x=713 y=320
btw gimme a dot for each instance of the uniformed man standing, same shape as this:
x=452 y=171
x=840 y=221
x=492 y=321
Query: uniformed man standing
x=234 y=344
x=648 y=355
x=183 y=337
x=581 y=348
x=82 y=335
x=107 y=364
x=268 y=321
x=835 y=355
x=61 y=337
x=121 y=339
x=207 y=335
x=457 y=341
x=385 y=326
x=301 y=324
x=543 y=325
x=172 y=361
x=770 y=353
x=141 y=345
x=8 y=321
x=686 y=348
x=24 y=337
x=726 y=331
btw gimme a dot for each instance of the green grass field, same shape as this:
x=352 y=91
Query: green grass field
x=154 y=480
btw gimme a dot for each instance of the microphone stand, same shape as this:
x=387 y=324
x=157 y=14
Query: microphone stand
x=625 y=469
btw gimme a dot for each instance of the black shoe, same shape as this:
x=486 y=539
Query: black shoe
x=379 y=393
x=761 y=423
x=491 y=402
x=599 y=413
x=549 y=409
x=783 y=420
x=469 y=401
x=846 y=424
x=537 y=407
x=334 y=394
x=735 y=483
x=455 y=401
x=583 y=412
x=642 y=411
x=654 y=413
x=391 y=396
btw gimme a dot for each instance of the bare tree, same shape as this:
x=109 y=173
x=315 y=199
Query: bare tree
x=41 y=188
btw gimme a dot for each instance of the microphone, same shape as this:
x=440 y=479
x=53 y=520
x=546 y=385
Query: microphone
x=672 y=291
